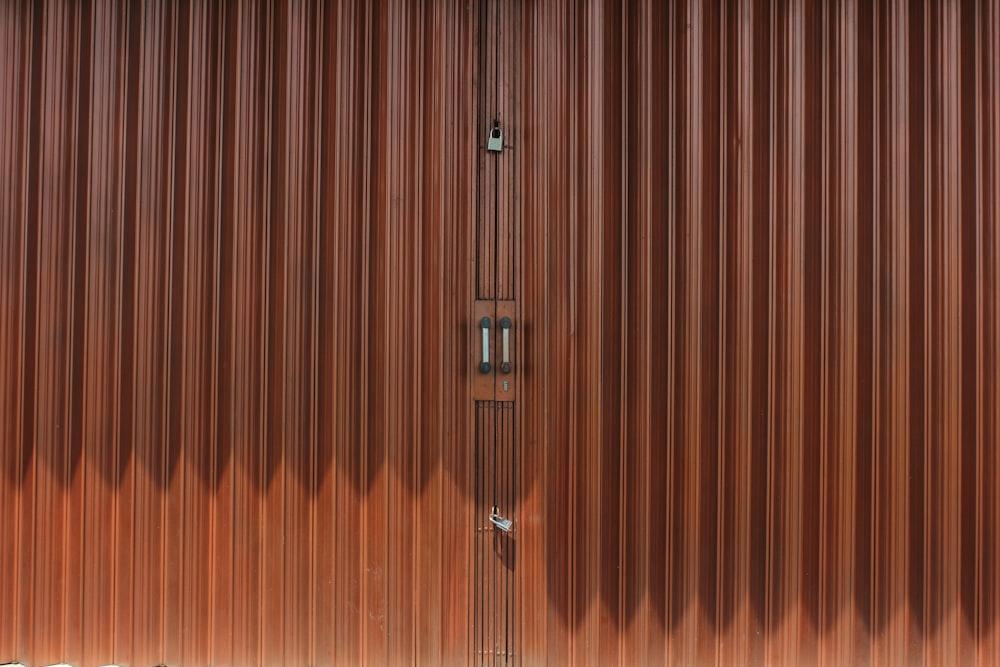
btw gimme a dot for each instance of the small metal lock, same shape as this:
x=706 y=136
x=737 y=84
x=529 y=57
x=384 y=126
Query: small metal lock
x=495 y=142
x=500 y=521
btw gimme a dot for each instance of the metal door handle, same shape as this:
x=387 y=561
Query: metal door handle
x=486 y=325
x=505 y=325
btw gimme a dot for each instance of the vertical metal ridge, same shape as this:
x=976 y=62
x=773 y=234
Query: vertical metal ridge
x=14 y=43
x=990 y=574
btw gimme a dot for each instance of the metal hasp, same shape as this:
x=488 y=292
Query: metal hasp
x=486 y=325
x=495 y=141
x=500 y=521
x=505 y=325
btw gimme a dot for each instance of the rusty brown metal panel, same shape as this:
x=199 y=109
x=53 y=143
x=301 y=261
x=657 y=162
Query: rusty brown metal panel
x=493 y=615
x=15 y=40
x=752 y=252
x=806 y=430
x=234 y=332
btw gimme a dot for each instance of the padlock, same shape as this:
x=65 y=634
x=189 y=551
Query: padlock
x=500 y=521
x=495 y=142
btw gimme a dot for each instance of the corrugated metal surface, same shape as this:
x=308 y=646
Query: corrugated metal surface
x=495 y=633
x=756 y=259
x=234 y=242
x=766 y=342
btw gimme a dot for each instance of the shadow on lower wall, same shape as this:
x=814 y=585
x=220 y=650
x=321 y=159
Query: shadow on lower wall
x=668 y=545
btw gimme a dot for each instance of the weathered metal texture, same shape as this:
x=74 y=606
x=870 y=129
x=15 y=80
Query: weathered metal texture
x=760 y=322
x=761 y=265
x=495 y=634
x=235 y=238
